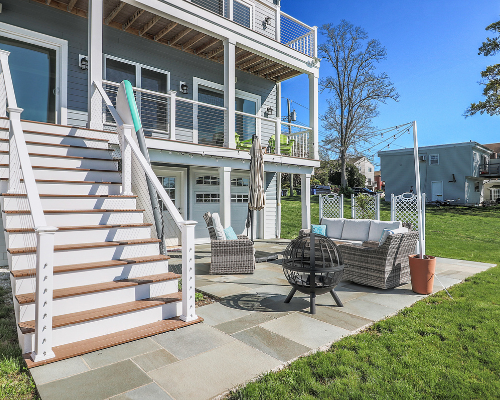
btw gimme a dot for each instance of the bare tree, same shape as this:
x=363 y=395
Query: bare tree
x=356 y=89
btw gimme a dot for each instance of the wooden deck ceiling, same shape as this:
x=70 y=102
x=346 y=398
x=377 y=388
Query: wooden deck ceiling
x=137 y=21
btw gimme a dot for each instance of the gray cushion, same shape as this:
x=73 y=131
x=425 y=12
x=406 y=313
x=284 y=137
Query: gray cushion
x=334 y=227
x=356 y=229
x=388 y=232
x=219 y=229
x=377 y=227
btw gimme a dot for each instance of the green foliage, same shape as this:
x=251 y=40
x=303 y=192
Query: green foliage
x=363 y=205
x=490 y=77
x=354 y=177
x=346 y=191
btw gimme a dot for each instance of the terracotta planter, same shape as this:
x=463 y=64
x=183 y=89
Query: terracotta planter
x=422 y=273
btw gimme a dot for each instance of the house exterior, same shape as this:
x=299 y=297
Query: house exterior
x=379 y=184
x=366 y=168
x=447 y=172
x=83 y=236
x=226 y=71
x=490 y=170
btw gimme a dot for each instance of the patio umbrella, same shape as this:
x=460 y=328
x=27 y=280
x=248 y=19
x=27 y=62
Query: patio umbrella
x=256 y=195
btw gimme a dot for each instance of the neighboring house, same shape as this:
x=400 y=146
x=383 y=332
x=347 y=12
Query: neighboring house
x=194 y=48
x=379 y=183
x=491 y=171
x=366 y=168
x=447 y=172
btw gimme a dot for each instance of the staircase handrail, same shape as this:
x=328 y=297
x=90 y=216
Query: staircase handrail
x=19 y=162
x=186 y=227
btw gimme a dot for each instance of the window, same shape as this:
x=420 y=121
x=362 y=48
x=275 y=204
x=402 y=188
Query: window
x=369 y=181
x=207 y=180
x=239 y=198
x=207 y=197
x=242 y=14
x=240 y=182
x=169 y=186
x=369 y=169
x=476 y=186
x=434 y=159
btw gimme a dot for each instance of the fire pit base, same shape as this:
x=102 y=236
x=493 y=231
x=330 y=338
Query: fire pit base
x=312 y=298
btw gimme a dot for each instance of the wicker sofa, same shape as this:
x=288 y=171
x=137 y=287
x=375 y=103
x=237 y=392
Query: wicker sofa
x=230 y=256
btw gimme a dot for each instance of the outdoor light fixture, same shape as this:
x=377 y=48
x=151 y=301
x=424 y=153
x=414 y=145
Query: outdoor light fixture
x=183 y=87
x=267 y=21
x=269 y=110
x=83 y=62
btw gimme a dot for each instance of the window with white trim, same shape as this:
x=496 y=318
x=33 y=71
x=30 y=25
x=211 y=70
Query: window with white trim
x=239 y=198
x=208 y=180
x=240 y=182
x=434 y=159
x=207 y=197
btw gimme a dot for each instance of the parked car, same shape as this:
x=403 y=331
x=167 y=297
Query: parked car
x=321 y=189
x=360 y=190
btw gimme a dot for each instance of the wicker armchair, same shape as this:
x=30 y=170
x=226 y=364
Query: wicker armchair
x=383 y=267
x=230 y=256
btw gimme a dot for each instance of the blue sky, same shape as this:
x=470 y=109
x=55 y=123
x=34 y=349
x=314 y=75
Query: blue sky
x=431 y=59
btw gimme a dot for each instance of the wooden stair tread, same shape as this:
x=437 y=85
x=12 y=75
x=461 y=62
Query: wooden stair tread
x=82 y=227
x=113 y=339
x=61 y=156
x=71 y=195
x=65 y=169
x=100 y=287
x=60 y=145
x=61 y=135
x=90 y=210
x=104 y=312
x=83 y=266
x=79 y=246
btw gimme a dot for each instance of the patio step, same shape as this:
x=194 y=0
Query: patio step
x=90 y=345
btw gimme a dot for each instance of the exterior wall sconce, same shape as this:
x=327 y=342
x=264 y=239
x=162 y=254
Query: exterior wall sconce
x=183 y=87
x=83 y=62
x=269 y=110
x=267 y=22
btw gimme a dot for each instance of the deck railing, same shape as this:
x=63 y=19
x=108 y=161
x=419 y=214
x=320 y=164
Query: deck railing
x=134 y=168
x=490 y=169
x=300 y=138
x=22 y=181
x=276 y=24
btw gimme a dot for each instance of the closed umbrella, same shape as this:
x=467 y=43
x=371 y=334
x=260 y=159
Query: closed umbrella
x=257 y=196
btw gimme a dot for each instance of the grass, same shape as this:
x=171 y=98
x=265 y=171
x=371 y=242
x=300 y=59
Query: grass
x=440 y=348
x=15 y=380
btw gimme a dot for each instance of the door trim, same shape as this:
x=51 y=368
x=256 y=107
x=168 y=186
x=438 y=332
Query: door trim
x=61 y=48
x=442 y=191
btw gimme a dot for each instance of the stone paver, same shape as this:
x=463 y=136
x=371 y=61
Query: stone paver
x=213 y=372
x=248 y=332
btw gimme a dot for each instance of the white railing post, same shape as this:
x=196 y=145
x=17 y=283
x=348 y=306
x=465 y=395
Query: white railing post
x=341 y=206
x=44 y=292
x=315 y=41
x=230 y=9
x=278 y=22
x=353 y=211
x=393 y=208
x=95 y=28
x=320 y=208
x=173 y=98
x=277 y=137
x=125 y=132
x=188 y=272
x=377 y=207
x=229 y=93
x=3 y=91
x=15 y=172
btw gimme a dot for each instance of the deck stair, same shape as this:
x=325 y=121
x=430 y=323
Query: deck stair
x=111 y=284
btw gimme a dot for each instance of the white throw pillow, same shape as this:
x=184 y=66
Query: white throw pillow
x=334 y=227
x=377 y=227
x=356 y=229
x=388 y=232
x=219 y=229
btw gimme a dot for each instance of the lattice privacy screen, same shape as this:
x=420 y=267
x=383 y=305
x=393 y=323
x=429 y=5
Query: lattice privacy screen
x=404 y=209
x=368 y=208
x=331 y=206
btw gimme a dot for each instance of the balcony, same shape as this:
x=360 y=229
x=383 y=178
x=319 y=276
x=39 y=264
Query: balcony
x=490 y=170
x=168 y=116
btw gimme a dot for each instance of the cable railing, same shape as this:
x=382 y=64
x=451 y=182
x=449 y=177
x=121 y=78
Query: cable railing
x=297 y=35
x=22 y=181
x=298 y=140
x=136 y=167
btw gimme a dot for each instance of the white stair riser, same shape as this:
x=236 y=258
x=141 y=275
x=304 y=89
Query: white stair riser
x=17 y=240
x=71 y=203
x=90 y=301
x=75 y=219
x=78 y=188
x=104 y=326
x=93 y=276
x=63 y=151
x=62 y=162
x=69 y=139
x=95 y=254
x=70 y=175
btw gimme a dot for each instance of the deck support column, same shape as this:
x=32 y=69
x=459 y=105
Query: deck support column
x=230 y=92
x=313 y=117
x=95 y=21
x=225 y=195
x=305 y=199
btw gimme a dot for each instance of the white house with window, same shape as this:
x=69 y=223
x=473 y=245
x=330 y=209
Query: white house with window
x=365 y=166
x=447 y=172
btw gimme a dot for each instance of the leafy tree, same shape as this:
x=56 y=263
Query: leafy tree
x=356 y=88
x=490 y=77
x=354 y=178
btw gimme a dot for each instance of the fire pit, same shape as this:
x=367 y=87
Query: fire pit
x=313 y=265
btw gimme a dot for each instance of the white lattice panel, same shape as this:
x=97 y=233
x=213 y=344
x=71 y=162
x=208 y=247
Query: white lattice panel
x=369 y=211
x=404 y=209
x=331 y=206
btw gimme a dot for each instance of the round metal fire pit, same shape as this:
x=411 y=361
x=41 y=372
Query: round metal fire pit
x=312 y=264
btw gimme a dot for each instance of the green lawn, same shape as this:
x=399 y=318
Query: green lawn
x=439 y=348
